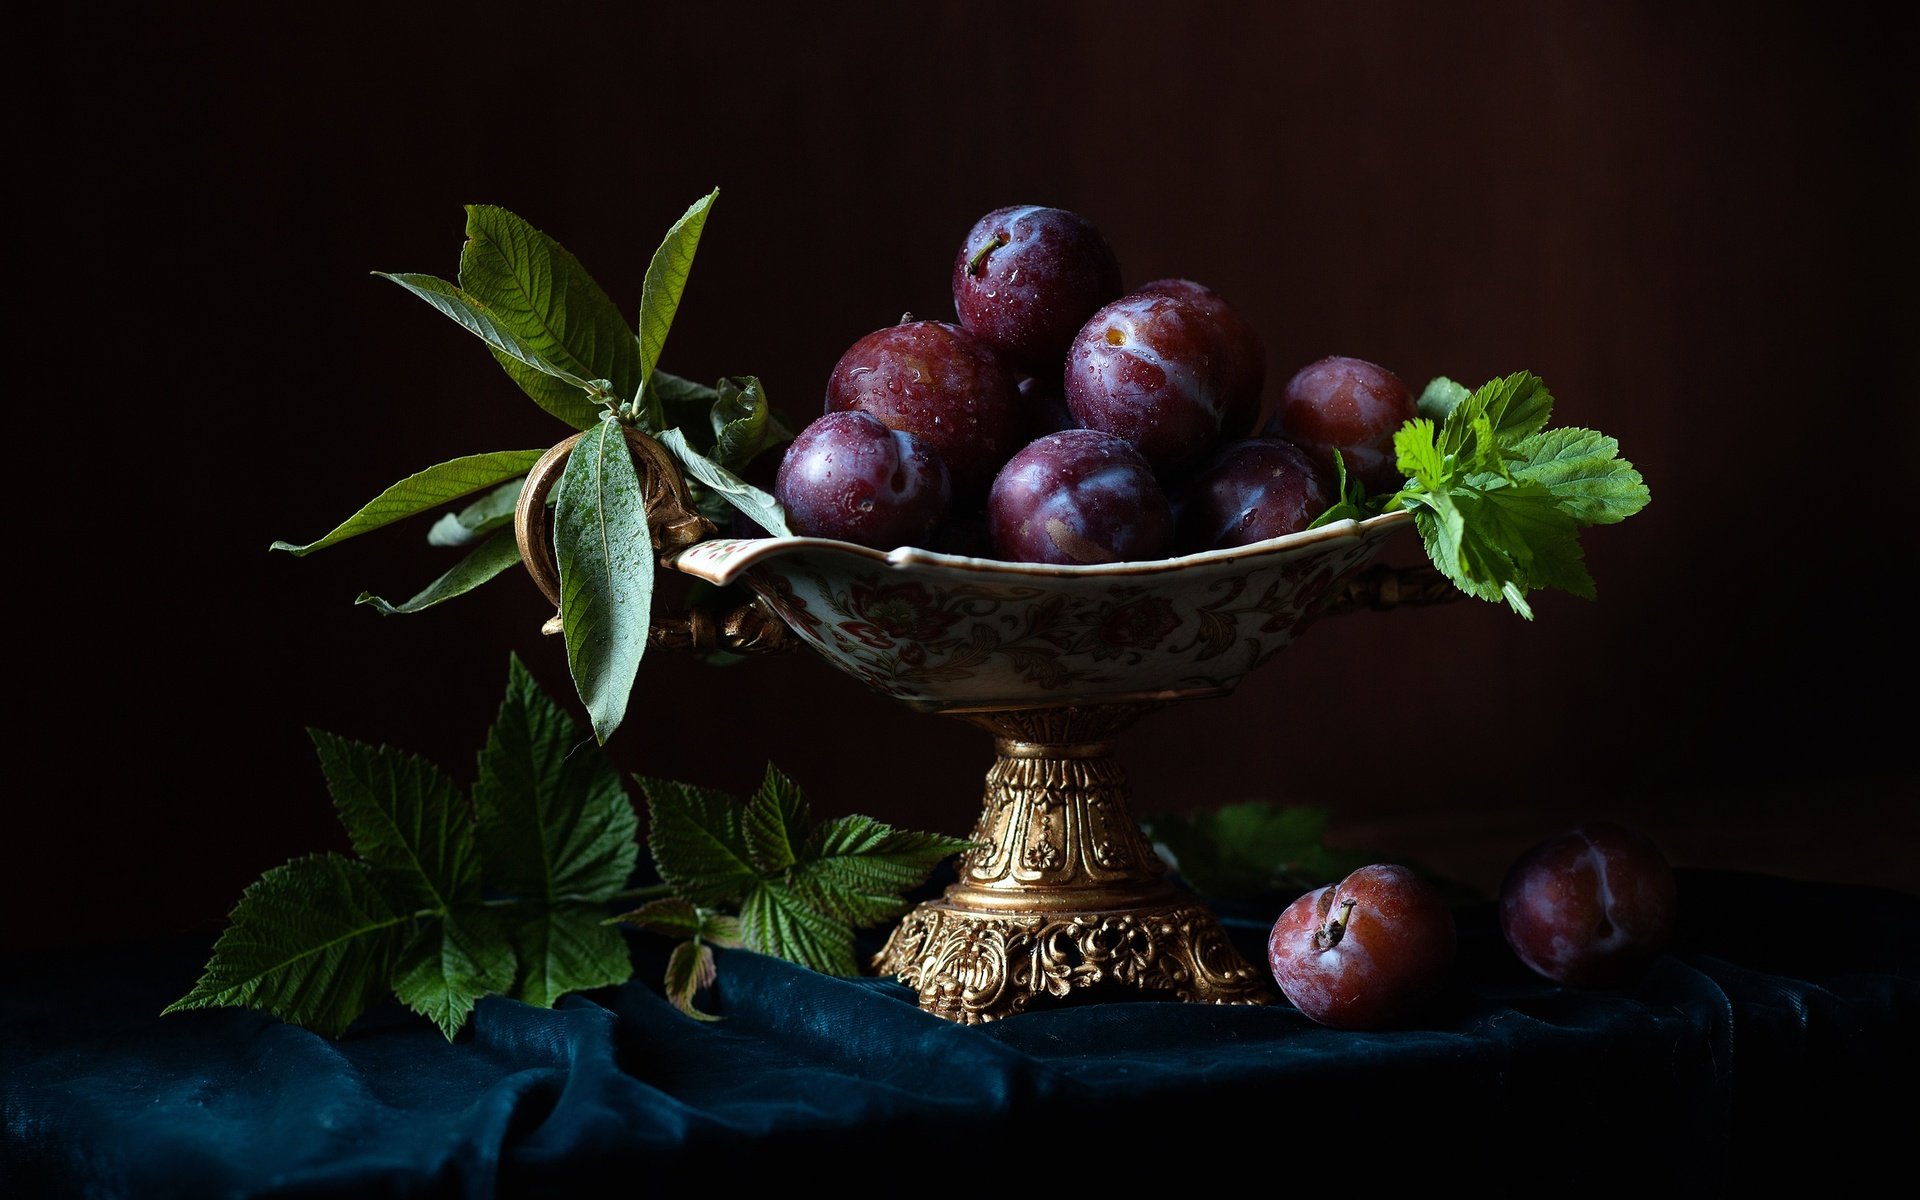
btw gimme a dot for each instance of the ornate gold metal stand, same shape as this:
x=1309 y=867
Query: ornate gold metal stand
x=1064 y=893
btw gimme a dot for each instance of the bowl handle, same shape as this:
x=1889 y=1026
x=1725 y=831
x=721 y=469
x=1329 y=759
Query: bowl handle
x=1381 y=587
x=674 y=524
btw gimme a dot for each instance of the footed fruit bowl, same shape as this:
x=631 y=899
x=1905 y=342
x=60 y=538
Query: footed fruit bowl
x=1062 y=896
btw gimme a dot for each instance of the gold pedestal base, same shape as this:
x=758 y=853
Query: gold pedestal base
x=1063 y=892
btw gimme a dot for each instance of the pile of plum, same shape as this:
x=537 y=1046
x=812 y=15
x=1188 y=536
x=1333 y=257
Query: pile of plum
x=1065 y=419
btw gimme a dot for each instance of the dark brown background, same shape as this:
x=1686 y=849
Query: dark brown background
x=1694 y=221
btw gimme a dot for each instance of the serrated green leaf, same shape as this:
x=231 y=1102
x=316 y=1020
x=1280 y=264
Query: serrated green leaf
x=1441 y=396
x=777 y=920
x=1418 y=454
x=406 y=818
x=546 y=299
x=311 y=942
x=495 y=329
x=667 y=279
x=689 y=968
x=490 y=512
x=499 y=553
x=1524 y=536
x=1515 y=406
x=1443 y=531
x=554 y=822
x=761 y=507
x=605 y=554
x=857 y=869
x=774 y=822
x=1583 y=471
x=563 y=948
x=697 y=843
x=449 y=963
x=425 y=490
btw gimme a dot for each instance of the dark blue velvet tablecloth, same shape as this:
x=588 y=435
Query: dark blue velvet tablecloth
x=1781 y=1034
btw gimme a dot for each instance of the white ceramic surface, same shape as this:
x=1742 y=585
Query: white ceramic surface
x=943 y=632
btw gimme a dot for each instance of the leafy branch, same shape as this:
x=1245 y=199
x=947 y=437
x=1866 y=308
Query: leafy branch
x=558 y=335
x=512 y=891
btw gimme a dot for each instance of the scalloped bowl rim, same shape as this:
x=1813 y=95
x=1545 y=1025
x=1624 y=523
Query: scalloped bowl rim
x=759 y=550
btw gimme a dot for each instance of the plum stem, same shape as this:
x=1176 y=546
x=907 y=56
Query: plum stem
x=1328 y=936
x=980 y=256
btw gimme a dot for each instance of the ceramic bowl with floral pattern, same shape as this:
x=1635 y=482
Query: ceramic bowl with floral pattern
x=942 y=632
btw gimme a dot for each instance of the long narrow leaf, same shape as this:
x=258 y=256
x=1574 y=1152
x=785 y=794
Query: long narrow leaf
x=759 y=505
x=667 y=279
x=606 y=573
x=425 y=490
x=479 y=518
x=498 y=553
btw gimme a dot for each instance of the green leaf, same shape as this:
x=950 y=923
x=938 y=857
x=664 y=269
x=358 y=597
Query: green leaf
x=1418 y=453
x=698 y=845
x=449 y=963
x=1582 y=469
x=579 y=407
x=856 y=869
x=311 y=942
x=406 y=819
x=743 y=423
x=1441 y=396
x=1252 y=851
x=799 y=899
x=1515 y=406
x=1522 y=528
x=761 y=507
x=720 y=929
x=675 y=917
x=554 y=822
x=672 y=916
x=1351 y=502
x=777 y=920
x=542 y=294
x=1245 y=851
x=681 y=402
x=425 y=490
x=1498 y=543
x=495 y=329
x=500 y=552
x=774 y=823
x=605 y=553
x=564 y=948
x=689 y=968
x=490 y=512
x=667 y=279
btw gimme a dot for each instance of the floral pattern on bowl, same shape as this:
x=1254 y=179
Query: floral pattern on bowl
x=944 y=632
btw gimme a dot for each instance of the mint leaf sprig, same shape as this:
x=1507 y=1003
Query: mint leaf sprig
x=512 y=891
x=1498 y=497
x=557 y=334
